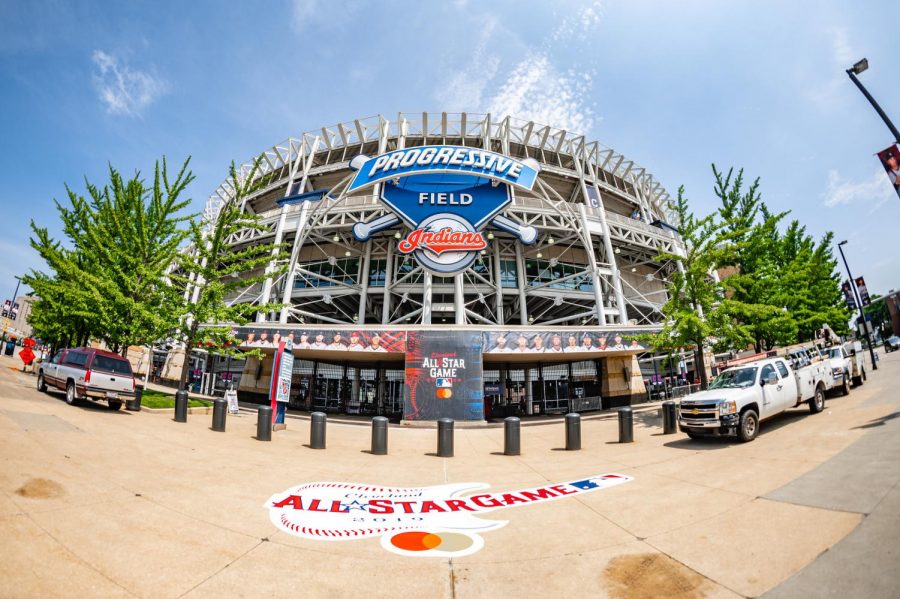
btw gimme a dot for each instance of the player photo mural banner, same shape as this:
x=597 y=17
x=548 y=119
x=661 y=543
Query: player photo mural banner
x=444 y=376
x=324 y=339
x=446 y=195
x=890 y=160
x=528 y=342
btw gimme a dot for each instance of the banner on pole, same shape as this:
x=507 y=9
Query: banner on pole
x=890 y=160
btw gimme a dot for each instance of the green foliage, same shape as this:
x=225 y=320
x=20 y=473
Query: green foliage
x=109 y=281
x=777 y=288
x=212 y=271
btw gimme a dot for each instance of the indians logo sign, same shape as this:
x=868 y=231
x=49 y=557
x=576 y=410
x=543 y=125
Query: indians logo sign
x=439 y=521
x=446 y=195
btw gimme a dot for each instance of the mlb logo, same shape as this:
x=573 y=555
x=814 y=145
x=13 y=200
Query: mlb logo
x=444 y=383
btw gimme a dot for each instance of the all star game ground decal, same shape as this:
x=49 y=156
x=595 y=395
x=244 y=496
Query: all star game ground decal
x=437 y=521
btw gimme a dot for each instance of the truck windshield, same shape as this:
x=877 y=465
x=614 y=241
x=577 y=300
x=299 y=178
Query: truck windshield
x=835 y=352
x=739 y=377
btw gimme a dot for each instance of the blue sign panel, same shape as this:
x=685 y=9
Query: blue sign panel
x=446 y=159
x=446 y=195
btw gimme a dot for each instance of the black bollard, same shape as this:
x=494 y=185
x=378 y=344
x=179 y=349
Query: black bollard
x=317 y=431
x=511 y=436
x=181 y=406
x=264 y=423
x=445 y=438
x=573 y=432
x=670 y=420
x=134 y=405
x=626 y=425
x=379 y=435
x=220 y=408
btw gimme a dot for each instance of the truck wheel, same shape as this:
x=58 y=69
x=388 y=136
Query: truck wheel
x=857 y=381
x=114 y=405
x=71 y=396
x=42 y=386
x=845 y=388
x=749 y=426
x=817 y=403
x=864 y=375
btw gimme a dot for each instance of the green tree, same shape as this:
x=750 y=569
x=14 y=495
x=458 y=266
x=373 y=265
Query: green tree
x=754 y=298
x=110 y=283
x=213 y=270
x=692 y=312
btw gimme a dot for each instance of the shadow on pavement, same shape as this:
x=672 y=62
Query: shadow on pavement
x=879 y=421
x=709 y=443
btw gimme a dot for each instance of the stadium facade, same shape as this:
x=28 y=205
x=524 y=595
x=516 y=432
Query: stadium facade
x=453 y=265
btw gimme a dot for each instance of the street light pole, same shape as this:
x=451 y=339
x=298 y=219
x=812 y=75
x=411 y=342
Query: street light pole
x=859 y=305
x=855 y=70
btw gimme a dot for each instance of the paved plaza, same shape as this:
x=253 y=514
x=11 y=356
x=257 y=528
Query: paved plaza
x=97 y=503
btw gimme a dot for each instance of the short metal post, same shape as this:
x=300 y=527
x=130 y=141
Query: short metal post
x=573 y=432
x=264 y=423
x=379 y=435
x=626 y=425
x=134 y=405
x=445 y=438
x=317 y=431
x=511 y=436
x=181 y=406
x=220 y=408
x=669 y=417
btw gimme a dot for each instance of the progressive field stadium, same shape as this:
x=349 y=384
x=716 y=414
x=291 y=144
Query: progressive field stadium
x=600 y=219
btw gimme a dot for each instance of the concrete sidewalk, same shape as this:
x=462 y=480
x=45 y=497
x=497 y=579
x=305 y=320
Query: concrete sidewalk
x=98 y=503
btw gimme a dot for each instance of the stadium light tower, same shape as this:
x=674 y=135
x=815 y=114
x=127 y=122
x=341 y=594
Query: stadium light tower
x=859 y=305
x=855 y=70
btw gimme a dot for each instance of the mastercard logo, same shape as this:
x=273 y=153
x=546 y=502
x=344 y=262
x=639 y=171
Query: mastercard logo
x=444 y=393
x=420 y=542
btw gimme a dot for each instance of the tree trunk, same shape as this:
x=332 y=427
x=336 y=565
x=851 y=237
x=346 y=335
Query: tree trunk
x=188 y=346
x=700 y=366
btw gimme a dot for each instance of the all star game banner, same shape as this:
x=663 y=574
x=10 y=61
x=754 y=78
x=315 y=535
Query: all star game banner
x=324 y=339
x=444 y=376
x=529 y=342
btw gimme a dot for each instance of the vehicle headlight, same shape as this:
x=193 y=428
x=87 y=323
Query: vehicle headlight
x=837 y=371
x=727 y=406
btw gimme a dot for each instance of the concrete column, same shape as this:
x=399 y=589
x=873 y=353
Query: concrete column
x=364 y=282
x=426 y=298
x=498 y=283
x=388 y=281
x=610 y=254
x=279 y=235
x=592 y=262
x=295 y=255
x=520 y=278
x=459 y=299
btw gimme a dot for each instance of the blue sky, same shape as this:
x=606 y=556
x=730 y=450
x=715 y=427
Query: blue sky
x=673 y=86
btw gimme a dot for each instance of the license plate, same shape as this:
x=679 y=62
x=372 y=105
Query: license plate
x=111 y=395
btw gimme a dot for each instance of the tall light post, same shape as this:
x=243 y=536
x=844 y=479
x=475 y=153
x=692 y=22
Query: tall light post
x=855 y=70
x=859 y=305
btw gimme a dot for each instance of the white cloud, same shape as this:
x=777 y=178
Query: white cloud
x=874 y=191
x=122 y=89
x=302 y=12
x=532 y=88
x=842 y=52
x=536 y=91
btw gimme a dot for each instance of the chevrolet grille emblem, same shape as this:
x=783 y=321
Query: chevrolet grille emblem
x=695 y=411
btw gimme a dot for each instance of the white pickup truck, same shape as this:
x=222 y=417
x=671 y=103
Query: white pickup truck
x=742 y=396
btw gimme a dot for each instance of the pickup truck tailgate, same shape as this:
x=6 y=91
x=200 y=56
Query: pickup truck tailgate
x=111 y=374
